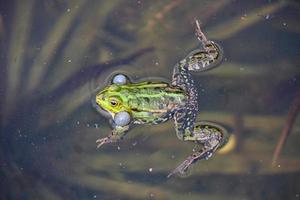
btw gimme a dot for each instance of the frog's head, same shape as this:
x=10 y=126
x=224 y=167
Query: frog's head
x=110 y=99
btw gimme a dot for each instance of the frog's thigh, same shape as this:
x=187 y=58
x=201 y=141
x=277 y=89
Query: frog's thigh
x=184 y=122
x=182 y=77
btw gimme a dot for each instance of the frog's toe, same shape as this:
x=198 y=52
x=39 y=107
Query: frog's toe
x=183 y=167
x=103 y=141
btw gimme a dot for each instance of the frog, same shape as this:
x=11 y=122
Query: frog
x=153 y=102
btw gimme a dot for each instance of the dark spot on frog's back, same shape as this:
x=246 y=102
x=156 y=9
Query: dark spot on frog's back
x=161 y=106
x=147 y=100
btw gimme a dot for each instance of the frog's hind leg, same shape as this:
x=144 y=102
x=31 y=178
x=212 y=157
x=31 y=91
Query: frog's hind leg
x=211 y=55
x=185 y=117
x=184 y=120
x=209 y=134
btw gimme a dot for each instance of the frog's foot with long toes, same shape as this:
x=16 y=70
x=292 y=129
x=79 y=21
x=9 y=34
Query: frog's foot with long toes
x=208 y=57
x=105 y=140
x=117 y=134
x=209 y=134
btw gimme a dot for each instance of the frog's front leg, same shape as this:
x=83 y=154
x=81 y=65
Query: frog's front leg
x=121 y=123
x=209 y=134
x=117 y=133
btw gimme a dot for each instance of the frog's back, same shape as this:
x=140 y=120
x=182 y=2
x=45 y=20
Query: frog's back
x=151 y=101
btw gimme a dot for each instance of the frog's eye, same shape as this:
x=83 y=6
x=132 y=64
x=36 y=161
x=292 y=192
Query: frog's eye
x=113 y=103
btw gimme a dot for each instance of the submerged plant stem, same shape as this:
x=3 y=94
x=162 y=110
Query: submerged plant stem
x=292 y=115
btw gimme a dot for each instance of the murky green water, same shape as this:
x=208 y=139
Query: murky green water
x=54 y=54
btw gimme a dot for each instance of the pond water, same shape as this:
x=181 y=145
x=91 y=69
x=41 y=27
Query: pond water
x=56 y=54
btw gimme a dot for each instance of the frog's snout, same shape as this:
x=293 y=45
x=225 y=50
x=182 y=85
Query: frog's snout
x=99 y=98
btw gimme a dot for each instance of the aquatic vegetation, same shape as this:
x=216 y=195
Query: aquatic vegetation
x=54 y=54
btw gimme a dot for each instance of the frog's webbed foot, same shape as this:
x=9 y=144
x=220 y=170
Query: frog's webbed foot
x=202 y=60
x=200 y=35
x=184 y=166
x=211 y=135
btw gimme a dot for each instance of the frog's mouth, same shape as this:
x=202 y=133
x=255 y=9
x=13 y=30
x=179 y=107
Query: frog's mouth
x=100 y=109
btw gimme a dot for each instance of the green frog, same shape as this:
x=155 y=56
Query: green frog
x=154 y=102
